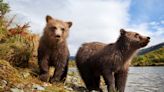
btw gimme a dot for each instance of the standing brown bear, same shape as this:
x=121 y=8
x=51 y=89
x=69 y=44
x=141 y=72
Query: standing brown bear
x=53 y=50
x=109 y=60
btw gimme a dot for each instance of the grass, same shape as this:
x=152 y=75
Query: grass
x=23 y=79
x=72 y=63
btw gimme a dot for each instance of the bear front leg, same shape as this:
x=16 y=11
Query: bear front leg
x=59 y=70
x=64 y=75
x=44 y=68
x=109 y=80
x=120 y=80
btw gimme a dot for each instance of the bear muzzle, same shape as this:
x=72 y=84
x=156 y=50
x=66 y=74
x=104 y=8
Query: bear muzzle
x=145 y=42
x=57 y=36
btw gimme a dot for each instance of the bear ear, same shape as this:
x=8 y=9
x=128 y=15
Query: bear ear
x=69 y=24
x=48 y=18
x=122 y=31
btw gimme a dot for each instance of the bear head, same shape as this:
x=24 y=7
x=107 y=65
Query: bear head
x=56 y=30
x=134 y=38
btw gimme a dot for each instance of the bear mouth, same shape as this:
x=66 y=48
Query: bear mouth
x=145 y=43
x=57 y=38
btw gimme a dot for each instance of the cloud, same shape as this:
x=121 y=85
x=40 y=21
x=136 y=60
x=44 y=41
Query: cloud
x=93 y=20
x=154 y=23
x=162 y=22
x=97 y=21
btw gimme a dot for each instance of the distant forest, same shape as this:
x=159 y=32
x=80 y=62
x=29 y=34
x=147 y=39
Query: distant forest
x=153 y=58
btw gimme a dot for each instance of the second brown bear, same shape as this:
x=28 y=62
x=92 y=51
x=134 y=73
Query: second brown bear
x=109 y=60
x=53 y=50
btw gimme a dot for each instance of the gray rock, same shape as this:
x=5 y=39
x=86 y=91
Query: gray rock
x=38 y=87
x=20 y=86
x=68 y=88
x=16 y=90
x=3 y=83
x=26 y=74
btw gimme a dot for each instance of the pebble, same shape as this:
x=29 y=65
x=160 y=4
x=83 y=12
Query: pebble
x=38 y=87
x=16 y=90
x=68 y=88
x=3 y=83
x=26 y=74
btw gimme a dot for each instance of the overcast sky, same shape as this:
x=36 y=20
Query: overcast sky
x=95 y=20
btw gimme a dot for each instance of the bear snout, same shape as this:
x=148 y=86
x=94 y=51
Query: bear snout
x=148 y=39
x=145 y=41
x=58 y=36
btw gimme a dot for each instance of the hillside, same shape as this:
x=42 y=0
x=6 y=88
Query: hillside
x=152 y=48
x=152 y=58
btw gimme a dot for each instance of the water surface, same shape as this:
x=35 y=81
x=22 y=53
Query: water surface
x=143 y=79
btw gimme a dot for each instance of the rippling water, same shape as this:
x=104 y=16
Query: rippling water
x=145 y=79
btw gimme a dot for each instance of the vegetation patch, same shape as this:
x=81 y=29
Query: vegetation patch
x=154 y=58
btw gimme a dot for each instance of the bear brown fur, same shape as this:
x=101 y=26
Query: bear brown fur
x=53 y=50
x=109 y=60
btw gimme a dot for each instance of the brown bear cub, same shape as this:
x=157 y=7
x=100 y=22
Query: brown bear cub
x=109 y=60
x=53 y=50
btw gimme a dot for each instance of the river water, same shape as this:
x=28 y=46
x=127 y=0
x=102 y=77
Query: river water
x=143 y=79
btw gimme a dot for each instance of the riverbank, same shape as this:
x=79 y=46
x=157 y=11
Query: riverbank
x=26 y=79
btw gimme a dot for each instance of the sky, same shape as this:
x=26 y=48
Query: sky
x=94 y=20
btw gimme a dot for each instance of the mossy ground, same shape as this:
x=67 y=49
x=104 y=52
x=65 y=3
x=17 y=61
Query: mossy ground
x=26 y=80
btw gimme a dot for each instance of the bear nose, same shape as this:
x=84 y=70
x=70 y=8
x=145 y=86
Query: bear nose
x=148 y=38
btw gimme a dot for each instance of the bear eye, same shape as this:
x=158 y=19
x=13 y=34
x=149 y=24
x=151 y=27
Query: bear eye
x=53 y=28
x=62 y=29
x=136 y=35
